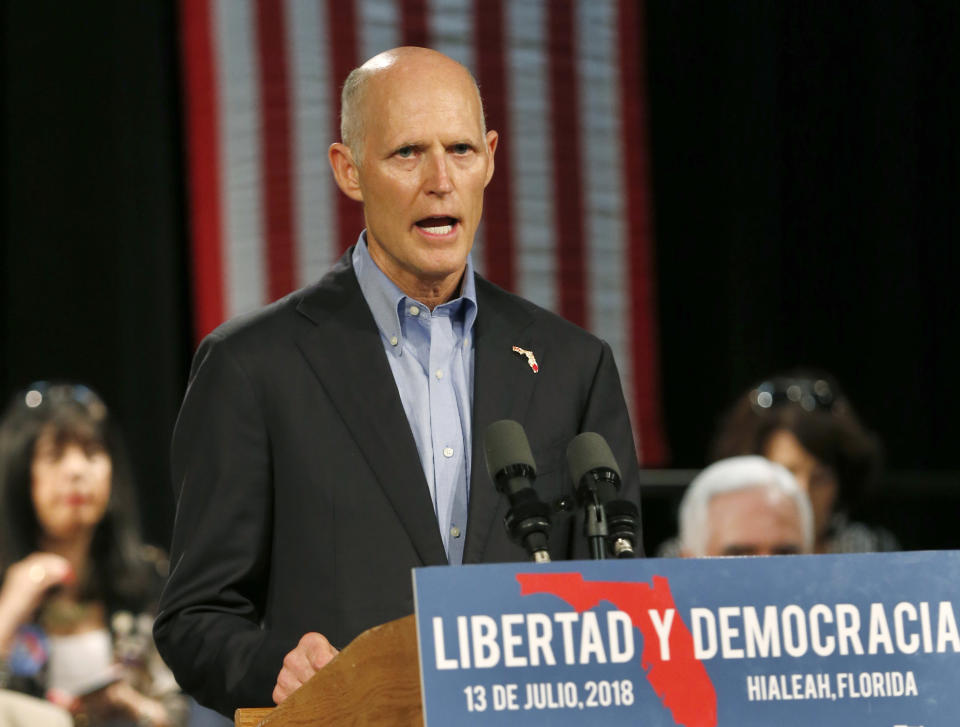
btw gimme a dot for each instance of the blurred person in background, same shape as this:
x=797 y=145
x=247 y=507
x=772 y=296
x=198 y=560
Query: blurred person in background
x=745 y=506
x=78 y=585
x=804 y=422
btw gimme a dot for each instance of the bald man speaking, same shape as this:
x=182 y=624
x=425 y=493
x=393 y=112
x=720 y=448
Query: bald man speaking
x=331 y=442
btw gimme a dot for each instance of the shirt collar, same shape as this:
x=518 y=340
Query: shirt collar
x=385 y=299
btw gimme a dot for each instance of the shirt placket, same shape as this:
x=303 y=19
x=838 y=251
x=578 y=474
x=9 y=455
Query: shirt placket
x=446 y=438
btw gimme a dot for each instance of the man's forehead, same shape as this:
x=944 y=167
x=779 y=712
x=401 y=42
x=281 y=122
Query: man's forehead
x=398 y=79
x=406 y=102
x=414 y=67
x=752 y=498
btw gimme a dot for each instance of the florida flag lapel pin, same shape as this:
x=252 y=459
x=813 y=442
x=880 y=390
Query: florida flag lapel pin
x=531 y=359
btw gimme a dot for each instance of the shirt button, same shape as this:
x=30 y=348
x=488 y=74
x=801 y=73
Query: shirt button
x=448 y=451
x=455 y=531
x=439 y=373
x=394 y=340
x=414 y=310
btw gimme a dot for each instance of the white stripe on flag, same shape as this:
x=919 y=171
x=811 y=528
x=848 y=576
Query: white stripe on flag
x=531 y=160
x=450 y=29
x=378 y=28
x=241 y=193
x=601 y=141
x=310 y=99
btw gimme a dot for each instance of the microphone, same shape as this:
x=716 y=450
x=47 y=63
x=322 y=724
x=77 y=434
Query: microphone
x=512 y=469
x=596 y=477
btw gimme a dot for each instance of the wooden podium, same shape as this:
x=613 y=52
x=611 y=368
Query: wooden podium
x=375 y=680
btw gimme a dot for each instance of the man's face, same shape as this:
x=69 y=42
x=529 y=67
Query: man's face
x=425 y=164
x=753 y=521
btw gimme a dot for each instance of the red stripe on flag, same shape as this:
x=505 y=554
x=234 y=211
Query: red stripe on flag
x=491 y=75
x=342 y=24
x=275 y=151
x=567 y=186
x=203 y=148
x=636 y=184
x=413 y=22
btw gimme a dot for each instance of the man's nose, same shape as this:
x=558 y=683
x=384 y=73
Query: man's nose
x=438 y=175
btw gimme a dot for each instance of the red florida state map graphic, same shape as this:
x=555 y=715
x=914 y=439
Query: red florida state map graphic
x=681 y=681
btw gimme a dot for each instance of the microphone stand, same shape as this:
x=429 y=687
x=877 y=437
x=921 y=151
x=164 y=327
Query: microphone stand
x=595 y=517
x=597 y=477
x=528 y=523
x=595 y=528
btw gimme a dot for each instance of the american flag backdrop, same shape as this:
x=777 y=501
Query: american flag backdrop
x=566 y=217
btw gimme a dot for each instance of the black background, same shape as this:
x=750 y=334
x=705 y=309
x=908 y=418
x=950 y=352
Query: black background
x=806 y=194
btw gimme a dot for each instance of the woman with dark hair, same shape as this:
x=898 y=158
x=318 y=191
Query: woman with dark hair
x=803 y=421
x=78 y=586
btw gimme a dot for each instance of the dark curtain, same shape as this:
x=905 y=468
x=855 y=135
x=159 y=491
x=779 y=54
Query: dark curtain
x=805 y=178
x=93 y=278
x=806 y=183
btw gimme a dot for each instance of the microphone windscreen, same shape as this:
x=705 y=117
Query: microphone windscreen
x=589 y=451
x=504 y=444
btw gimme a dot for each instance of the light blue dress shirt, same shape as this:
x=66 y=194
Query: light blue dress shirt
x=431 y=356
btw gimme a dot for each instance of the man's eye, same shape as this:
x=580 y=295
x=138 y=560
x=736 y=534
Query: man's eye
x=461 y=148
x=405 y=152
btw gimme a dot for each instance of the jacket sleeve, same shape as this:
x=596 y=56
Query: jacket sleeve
x=209 y=626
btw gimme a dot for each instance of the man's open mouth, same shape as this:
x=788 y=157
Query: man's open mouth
x=437 y=225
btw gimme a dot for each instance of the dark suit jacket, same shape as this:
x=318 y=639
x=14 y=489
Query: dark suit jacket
x=302 y=504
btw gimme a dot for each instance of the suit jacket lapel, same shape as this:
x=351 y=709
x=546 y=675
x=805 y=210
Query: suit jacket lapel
x=503 y=384
x=346 y=354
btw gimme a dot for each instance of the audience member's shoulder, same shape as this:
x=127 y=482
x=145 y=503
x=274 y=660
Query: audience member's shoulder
x=855 y=537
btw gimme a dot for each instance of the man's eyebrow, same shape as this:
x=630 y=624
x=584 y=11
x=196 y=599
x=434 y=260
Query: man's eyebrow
x=393 y=149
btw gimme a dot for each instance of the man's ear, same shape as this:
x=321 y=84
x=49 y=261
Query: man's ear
x=345 y=170
x=491 y=141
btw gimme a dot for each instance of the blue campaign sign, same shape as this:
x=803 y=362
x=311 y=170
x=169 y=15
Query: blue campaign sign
x=847 y=640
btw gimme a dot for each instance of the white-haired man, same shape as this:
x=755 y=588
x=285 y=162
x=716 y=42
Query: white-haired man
x=745 y=506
